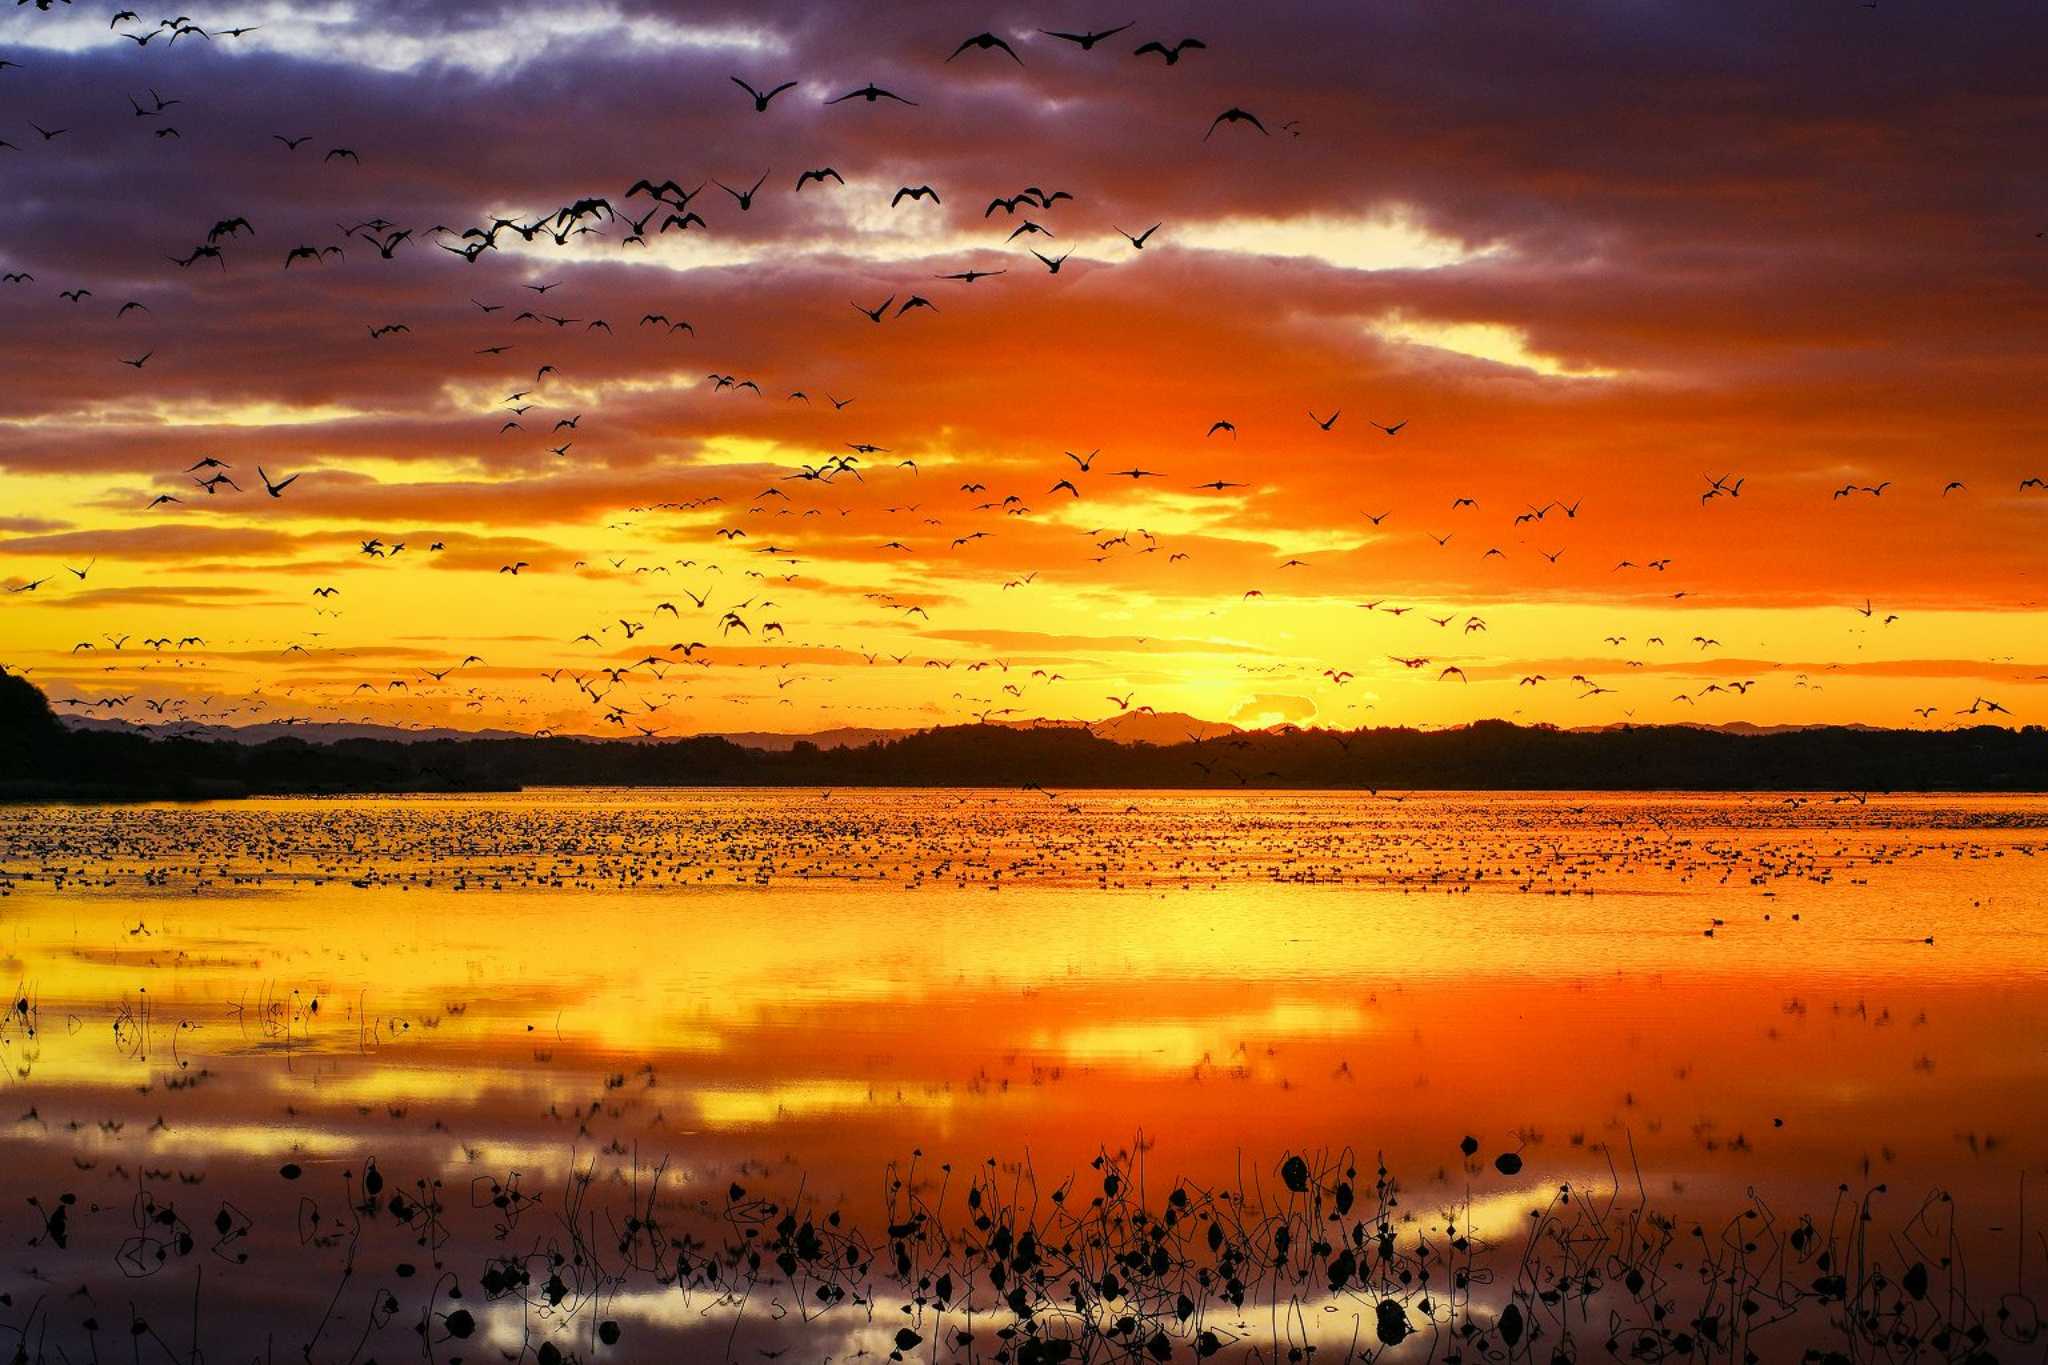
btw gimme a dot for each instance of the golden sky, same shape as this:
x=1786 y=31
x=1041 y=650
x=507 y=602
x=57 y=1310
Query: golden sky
x=1592 y=265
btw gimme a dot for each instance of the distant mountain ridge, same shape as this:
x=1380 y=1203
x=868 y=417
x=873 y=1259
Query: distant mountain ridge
x=1129 y=727
x=263 y=731
x=42 y=759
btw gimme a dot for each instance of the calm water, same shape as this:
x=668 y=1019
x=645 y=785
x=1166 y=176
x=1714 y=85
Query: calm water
x=246 y=1014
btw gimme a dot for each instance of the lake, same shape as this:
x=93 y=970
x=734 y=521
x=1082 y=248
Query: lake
x=719 y=1074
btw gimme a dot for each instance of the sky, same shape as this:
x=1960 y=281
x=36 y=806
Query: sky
x=1711 y=339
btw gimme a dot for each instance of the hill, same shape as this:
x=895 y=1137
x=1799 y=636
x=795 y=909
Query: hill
x=41 y=759
x=1128 y=728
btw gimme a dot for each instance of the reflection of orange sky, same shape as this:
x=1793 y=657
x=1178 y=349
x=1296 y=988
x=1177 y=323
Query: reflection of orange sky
x=851 y=1020
x=789 y=992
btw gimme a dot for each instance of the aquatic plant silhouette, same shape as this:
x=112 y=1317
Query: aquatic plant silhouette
x=1318 y=1255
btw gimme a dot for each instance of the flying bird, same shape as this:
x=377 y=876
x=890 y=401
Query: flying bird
x=1173 y=53
x=1085 y=41
x=987 y=42
x=760 y=99
x=871 y=93
x=1235 y=115
x=745 y=198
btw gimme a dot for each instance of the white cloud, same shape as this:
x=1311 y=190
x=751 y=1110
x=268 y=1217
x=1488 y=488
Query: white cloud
x=1393 y=240
x=1499 y=342
x=355 y=35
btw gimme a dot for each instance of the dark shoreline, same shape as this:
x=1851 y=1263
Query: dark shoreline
x=41 y=760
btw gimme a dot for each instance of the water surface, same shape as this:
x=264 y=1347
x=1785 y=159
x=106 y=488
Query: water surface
x=1693 y=1001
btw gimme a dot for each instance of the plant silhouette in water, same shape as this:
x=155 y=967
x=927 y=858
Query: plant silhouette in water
x=1318 y=1257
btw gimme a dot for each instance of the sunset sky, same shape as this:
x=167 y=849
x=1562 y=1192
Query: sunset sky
x=1595 y=257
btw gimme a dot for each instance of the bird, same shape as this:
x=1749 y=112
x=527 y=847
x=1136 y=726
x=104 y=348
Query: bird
x=760 y=99
x=1325 y=422
x=745 y=198
x=275 y=489
x=1234 y=115
x=1085 y=41
x=1171 y=54
x=1138 y=242
x=820 y=176
x=916 y=192
x=987 y=42
x=871 y=93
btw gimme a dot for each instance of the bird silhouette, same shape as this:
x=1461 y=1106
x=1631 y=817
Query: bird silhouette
x=760 y=99
x=987 y=42
x=1172 y=53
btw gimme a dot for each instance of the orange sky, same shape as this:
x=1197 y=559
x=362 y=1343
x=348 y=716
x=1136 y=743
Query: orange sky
x=1593 y=262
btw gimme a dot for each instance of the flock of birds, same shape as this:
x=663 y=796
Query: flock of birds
x=384 y=1230
x=624 y=684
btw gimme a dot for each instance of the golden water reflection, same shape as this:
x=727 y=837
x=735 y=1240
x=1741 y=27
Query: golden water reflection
x=1738 y=991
